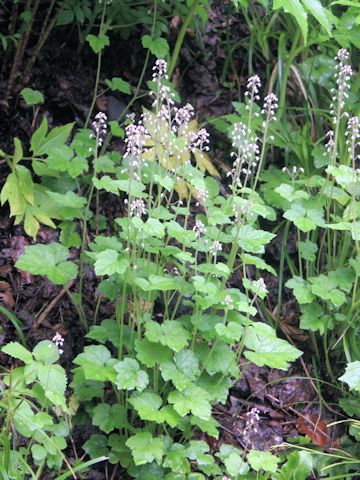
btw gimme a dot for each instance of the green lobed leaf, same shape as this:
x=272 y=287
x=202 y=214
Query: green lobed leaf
x=259 y=460
x=15 y=350
x=120 y=85
x=209 y=426
x=108 y=262
x=147 y=405
x=130 y=376
x=98 y=43
x=107 y=331
x=298 y=466
x=95 y=363
x=313 y=318
x=218 y=358
x=233 y=461
x=319 y=12
x=176 y=460
x=252 y=240
x=145 y=448
x=267 y=348
x=43 y=143
x=145 y=353
x=46 y=352
x=301 y=289
x=96 y=446
x=159 y=282
x=32 y=97
x=305 y=215
x=158 y=46
x=308 y=250
x=108 y=417
x=53 y=380
x=352 y=375
x=49 y=260
x=170 y=334
x=192 y=399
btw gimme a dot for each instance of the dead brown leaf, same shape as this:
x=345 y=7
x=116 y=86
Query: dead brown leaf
x=315 y=428
x=5 y=295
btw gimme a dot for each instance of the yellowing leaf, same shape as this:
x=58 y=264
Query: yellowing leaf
x=182 y=189
x=180 y=153
x=204 y=163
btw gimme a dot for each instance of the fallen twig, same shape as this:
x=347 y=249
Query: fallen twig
x=52 y=304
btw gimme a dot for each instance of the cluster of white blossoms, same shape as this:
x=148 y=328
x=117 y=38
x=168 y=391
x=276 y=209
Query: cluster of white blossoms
x=163 y=97
x=228 y=302
x=202 y=195
x=342 y=77
x=199 y=228
x=253 y=86
x=252 y=421
x=199 y=140
x=170 y=123
x=59 y=342
x=245 y=144
x=353 y=137
x=259 y=286
x=160 y=70
x=338 y=96
x=182 y=116
x=215 y=248
x=135 y=139
x=246 y=155
x=137 y=207
x=330 y=144
x=293 y=172
x=269 y=108
x=136 y=136
x=240 y=210
x=100 y=127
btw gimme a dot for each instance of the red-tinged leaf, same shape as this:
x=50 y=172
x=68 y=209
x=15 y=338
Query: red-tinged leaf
x=5 y=295
x=315 y=428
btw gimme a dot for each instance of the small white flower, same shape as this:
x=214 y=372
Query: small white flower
x=260 y=286
x=228 y=302
x=270 y=106
x=100 y=126
x=199 y=228
x=215 y=248
x=159 y=70
x=253 y=86
x=330 y=144
x=137 y=208
x=199 y=140
x=59 y=342
x=202 y=195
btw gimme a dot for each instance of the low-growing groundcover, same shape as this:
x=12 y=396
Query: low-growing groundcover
x=183 y=269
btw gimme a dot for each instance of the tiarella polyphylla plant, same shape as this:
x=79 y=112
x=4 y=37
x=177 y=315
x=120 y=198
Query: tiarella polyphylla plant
x=249 y=156
x=34 y=407
x=154 y=371
x=325 y=275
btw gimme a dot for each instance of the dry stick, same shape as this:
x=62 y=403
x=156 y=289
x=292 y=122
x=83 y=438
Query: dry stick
x=45 y=32
x=52 y=304
x=20 y=51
